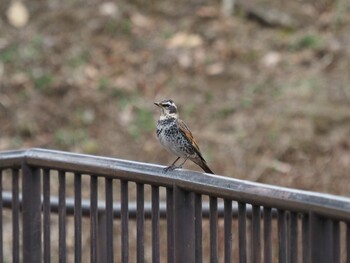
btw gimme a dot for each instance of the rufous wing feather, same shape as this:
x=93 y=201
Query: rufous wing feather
x=188 y=134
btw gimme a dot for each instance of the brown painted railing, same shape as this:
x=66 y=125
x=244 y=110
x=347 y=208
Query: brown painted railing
x=310 y=227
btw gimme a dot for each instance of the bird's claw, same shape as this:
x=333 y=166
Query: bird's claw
x=171 y=168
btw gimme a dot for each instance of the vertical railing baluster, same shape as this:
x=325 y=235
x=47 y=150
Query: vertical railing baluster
x=102 y=236
x=293 y=237
x=109 y=220
x=198 y=227
x=228 y=230
x=1 y=221
x=15 y=215
x=77 y=218
x=242 y=235
x=140 y=221
x=347 y=242
x=155 y=225
x=267 y=235
x=93 y=219
x=184 y=220
x=62 y=217
x=213 y=221
x=282 y=236
x=170 y=223
x=288 y=244
x=255 y=235
x=46 y=215
x=31 y=214
x=336 y=241
x=306 y=239
x=124 y=198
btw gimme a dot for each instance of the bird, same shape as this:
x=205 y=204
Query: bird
x=176 y=137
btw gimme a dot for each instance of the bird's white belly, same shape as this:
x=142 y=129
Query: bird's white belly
x=171 y=146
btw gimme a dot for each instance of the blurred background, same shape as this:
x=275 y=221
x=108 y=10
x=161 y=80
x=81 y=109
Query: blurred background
x=263 y=85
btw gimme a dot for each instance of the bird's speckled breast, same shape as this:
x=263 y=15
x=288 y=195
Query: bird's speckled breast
x=172 y=139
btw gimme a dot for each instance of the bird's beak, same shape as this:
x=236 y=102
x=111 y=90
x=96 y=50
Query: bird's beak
x=157 y=104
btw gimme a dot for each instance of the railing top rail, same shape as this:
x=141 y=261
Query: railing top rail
x=223 y=187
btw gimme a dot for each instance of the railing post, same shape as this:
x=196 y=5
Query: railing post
x=31 y=214
x=184 y=219
x=321 y=239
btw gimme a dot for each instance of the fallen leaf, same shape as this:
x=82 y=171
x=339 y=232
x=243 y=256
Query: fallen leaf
x=271 y=59
x=140 y=20
x=185 y=40
x=185 y=61
x=215 y=69
x=109 y=9
x=281 y=167
x=17 y=14
x=207 y=12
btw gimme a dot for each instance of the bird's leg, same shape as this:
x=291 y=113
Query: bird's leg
x=173 y=166
x=180 y=166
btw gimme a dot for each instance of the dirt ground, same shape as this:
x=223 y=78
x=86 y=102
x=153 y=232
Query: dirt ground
x=268 y=99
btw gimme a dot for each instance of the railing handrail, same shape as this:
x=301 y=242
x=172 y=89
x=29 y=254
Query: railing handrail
x=282 y=198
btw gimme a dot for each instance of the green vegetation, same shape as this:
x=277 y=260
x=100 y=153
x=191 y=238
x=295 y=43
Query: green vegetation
x=142 y=124
x=9 y=54
x=43 y=81
x=225 y=112
x=309 y=41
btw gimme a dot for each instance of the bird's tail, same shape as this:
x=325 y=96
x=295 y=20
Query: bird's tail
x=204 y=166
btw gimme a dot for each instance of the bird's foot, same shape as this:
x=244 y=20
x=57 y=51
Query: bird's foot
x=171 y=168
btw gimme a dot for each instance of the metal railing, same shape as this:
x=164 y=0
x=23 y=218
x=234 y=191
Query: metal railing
x=309 y=227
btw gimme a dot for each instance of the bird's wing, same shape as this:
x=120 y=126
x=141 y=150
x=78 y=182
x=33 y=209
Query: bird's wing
x=188 y=135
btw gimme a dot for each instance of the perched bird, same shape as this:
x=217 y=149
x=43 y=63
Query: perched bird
x=177 y=138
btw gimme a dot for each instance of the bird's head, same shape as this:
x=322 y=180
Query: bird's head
x=168 y=109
